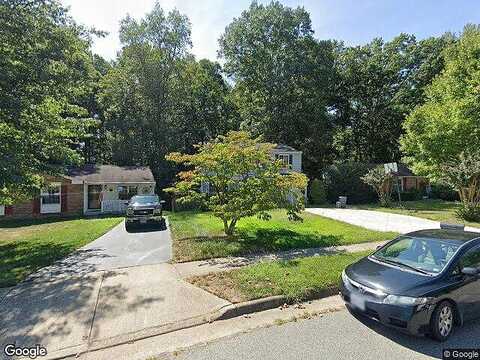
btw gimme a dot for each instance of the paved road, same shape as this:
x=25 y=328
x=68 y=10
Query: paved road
x=115 y=249
x=379 y=220
x=334 y=336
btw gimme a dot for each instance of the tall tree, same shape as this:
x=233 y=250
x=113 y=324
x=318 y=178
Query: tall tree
x=282 y=78
x=448 y=124
x=379 y=84
x=46 y=69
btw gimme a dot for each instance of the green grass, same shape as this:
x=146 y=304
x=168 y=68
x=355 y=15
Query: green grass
x=200 y=236
x=28 y=245
x=438 y=210
x=297 y=279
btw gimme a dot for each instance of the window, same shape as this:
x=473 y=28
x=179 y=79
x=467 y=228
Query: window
x=471 y=258
x=285 y=159
x=126 y=192
x=50 y=195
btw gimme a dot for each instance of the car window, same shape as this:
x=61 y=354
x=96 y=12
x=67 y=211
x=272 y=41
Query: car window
x=431 y=255
x=471 y=258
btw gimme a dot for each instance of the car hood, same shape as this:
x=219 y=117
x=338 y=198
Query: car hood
x=389 y=279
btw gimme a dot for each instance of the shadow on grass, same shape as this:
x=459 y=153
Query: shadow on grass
x=14 y=223
x=248 y=243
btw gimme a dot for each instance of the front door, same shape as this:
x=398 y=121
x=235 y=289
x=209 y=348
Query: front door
x=94 y=197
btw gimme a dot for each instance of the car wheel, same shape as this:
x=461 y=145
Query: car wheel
x=127 y=226
x=443 y=319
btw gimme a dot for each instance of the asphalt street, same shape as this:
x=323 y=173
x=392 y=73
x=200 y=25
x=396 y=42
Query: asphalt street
x=337 y=335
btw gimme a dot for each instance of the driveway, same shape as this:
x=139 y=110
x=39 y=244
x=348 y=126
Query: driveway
x=114 y=250
x=380 y=221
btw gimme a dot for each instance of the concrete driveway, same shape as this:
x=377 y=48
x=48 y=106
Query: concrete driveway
x=114 y=250
x=380 y=221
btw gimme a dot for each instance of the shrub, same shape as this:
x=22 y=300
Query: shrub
x=318 y=194
x=445 y=192
x=344 y=180
x=468 y=212
x=411 y=195
x=382 y=182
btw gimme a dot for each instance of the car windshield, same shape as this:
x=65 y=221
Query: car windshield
x=419 y=254
x=144 y=200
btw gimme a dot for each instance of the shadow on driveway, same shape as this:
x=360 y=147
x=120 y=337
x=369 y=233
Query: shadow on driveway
x=465 y=337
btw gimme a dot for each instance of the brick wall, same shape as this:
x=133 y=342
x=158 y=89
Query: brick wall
x=74 y=198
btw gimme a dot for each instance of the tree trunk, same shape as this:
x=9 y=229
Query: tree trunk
x=225 y=226
x=231 y=228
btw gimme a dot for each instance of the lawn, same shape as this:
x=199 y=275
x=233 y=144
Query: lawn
x=297 y=279
x=28 y=245
x=438 y=210
x=198 y=236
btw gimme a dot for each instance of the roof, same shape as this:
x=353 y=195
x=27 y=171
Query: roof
x=110 y=174
x=444 y=234
x=283 y=147
x=399 y=169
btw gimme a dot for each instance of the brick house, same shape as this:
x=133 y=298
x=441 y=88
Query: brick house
x=405 y=179
x=91 y=189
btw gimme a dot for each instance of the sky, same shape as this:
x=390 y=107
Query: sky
x=353 y=21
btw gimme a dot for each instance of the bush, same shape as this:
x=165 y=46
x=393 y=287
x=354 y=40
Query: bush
x=468 y=212
x=344 y=180
x=444 y=192
x=318 y=194
x=410 y=195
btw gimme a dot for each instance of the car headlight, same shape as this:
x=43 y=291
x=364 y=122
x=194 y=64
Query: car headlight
x=345 y=280
x=405 y=300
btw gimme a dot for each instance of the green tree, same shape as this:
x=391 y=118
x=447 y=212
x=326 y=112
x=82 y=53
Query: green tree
x=46 y=71
x=378 y=85
x=382 y=182
x=318 y=193
x=282 y=78
x=448 y=124
x=243 y=177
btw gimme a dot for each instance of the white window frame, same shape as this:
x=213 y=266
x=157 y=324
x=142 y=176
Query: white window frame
x=285 y=160
x=51 y=208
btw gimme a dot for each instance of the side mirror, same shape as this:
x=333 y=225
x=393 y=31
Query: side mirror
x=470 y=271
x=126 y=202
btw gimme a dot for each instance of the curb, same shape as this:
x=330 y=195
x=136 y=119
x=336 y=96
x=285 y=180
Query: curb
x=223 y=313
x=271 y=302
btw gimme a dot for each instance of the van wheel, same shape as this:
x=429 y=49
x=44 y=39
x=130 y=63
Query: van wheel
x=443 y=319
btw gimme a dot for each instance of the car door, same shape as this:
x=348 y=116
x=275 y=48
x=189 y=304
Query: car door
x=469 y=293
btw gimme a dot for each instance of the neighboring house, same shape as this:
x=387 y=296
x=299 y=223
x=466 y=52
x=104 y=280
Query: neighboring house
x=290 y=157
x=91 y=189
x=405 y=179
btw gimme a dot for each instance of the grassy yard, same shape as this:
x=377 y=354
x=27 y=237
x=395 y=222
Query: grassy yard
x=200 y=235
x=437 y=210
x=28 y=245
x=297 y=279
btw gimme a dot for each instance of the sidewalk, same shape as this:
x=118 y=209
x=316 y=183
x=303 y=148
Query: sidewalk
x=202 y=267
x=71 y=315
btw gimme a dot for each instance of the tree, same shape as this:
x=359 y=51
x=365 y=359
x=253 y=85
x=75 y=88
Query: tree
x=243 y=177
x=46 y=70
x=378 y=85
x=282 y=78
x=463 y=175
x=318 y=193
x=448 y=124
x=157 y=99
x=382 y=182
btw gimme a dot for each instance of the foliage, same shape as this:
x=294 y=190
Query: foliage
x=464 y=176
x=199 y=235
x=318 y=193
x=344 y=179
x=282 y=79
x=448 y=123
x=243 y=177
x=410 y=195
x=46 y=73
x=381 y=181
x=443 y=191
x=378 y=85
x=28 y=245
x=157 y=98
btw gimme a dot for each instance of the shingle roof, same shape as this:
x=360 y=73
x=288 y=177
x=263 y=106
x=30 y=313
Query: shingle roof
x=283 y=147
x=110 y=173
x=399 y=169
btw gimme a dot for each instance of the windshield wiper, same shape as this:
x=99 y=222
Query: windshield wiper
x=398 y=263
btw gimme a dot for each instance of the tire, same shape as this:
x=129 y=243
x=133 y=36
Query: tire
x=442 y=322
x=128 y=226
